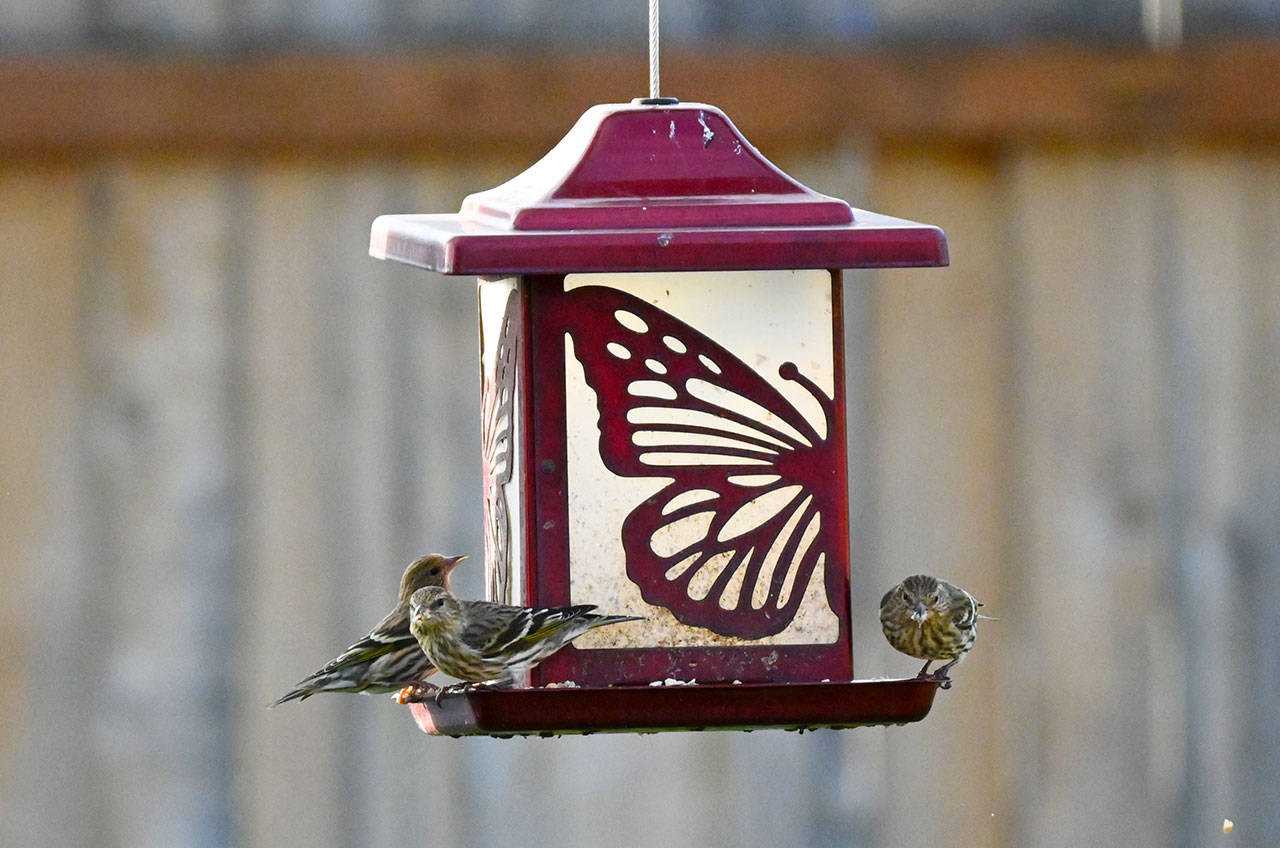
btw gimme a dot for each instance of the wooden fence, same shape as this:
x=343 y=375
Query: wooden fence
x=227 y=429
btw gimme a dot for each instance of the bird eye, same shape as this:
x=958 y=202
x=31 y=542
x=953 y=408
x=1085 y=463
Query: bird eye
x=435 y=570
x=437 y=603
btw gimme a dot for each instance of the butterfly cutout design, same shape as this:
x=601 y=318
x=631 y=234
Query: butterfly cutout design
x=496 y=421
x=733 y=540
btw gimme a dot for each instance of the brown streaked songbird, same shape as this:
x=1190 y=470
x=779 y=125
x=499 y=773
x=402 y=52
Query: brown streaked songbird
x=931 y=619
x=481 y=642
x=388 y=657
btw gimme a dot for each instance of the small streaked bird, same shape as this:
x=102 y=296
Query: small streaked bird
x=481 y=642
x=931 y=619
x=388 y=657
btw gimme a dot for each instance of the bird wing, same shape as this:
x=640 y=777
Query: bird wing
x=495 y=630
x=401 y=667
x=545 y=622
x=390 y=634
x=964 y=606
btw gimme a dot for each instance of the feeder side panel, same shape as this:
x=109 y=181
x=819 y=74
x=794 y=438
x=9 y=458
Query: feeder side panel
x=700 y=486
x=501 y=359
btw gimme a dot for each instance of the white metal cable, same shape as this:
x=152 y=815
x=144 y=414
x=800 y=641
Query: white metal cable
x=653 y=49
x=1162 y=22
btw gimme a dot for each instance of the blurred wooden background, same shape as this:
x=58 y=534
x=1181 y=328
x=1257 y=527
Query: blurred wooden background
x=227 y=429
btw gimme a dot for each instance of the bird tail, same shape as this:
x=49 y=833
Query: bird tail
x=293 y=695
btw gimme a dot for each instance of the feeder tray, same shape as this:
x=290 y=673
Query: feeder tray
x=650 y=709
x=663 y=428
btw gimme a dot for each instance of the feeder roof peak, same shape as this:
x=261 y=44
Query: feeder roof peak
x=633 y=165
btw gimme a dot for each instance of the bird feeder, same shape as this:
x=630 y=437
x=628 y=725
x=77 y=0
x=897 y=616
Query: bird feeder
x=663 y=426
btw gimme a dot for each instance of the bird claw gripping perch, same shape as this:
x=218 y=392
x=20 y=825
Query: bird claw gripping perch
x=416 y=693
x=453 y=689
x=464 y=688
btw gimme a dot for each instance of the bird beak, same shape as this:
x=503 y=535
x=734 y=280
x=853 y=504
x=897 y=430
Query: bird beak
x=919 y=613
x=451 y=564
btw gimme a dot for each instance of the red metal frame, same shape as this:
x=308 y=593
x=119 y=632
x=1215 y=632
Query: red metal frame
x=553 y=315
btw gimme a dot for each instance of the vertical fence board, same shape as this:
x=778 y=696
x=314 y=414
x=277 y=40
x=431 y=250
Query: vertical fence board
x=1255 y=528
x=54 y=21
x=1090 y=448
x=162 y=433
x=142 y=554
x=936 y=406
x=37 y=346
x=40 y=221
x=292 y=594
x=1206 y=236
x=236 y=429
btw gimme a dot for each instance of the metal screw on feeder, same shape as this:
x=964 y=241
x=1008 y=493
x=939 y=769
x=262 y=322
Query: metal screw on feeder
x=663 y=424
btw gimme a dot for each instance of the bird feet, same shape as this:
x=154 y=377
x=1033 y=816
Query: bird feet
x=452 y=689
x=463 y=688
x=940 y=676
x=420 y=692
x=415 y=693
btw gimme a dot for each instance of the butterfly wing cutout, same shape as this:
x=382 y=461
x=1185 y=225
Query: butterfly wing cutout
x=733 y=540
x=497 y=422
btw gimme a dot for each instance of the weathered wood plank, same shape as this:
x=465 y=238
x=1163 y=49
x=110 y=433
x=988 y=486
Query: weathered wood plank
x=236 y=428
x=291 y=595
x=135 y=612
x=159 y=429
x=461 y=103
x=170 y=22
x=56 y=21
x=936 y=411
x=1255 y=527
x=1104 y=712
x=1206 y=234
x=40 y=216
x=427 y=485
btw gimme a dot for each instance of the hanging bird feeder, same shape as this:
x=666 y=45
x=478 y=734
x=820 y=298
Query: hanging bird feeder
x=663 y=426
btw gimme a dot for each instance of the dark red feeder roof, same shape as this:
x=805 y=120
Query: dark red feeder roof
x=637 y=187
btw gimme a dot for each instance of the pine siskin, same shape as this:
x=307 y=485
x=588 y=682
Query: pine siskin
x=490 y=643
x=388 y=657
x=931 y=619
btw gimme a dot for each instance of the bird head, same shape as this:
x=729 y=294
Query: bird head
x=430 y=570
x=922 y=596
x=432 y=608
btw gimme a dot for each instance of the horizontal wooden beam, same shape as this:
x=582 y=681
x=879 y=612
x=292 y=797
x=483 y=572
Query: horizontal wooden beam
x=467 y=103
